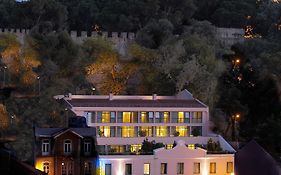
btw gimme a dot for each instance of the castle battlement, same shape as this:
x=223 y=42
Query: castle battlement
x=75 y=35
x=120 y=40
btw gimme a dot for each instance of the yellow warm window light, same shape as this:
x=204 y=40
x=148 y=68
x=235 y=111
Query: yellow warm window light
x=180 y=117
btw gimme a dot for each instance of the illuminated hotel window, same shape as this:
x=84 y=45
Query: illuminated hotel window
x=182 y=130
x=128 y=131
x=46 y=167
x=180 y=117
x=169 y=146
x=104 y=131
x=148 y=131
x=135 y=148
x=191 y=146
x=103 y=117
x=146 y=169
x=197 y=117
x=212 y=167
x=127 y=117
x=162 y=131
x=163 y=169
x=117 y=148
x=196 y=168
x=166 y=118
x=146 y=117
x=229 y=167
x=162 y=117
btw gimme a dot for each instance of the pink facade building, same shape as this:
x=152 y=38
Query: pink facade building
x=123 y=122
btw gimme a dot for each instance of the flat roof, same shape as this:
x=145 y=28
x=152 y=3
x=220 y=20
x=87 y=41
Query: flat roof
x=176 y=103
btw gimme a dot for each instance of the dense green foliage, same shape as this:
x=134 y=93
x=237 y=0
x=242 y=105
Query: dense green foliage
x=175 y=48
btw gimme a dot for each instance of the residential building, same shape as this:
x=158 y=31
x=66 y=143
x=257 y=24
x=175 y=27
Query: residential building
x=65 y=151
x=124 y=122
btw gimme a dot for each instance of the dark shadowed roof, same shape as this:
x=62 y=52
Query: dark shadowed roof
x=193 y=103
x=50 y=132
x=252 y=159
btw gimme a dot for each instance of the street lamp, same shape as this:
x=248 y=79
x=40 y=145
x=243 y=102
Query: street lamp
x=236 y=118
x=4 y=78
x=38 y=78
x=13 y=116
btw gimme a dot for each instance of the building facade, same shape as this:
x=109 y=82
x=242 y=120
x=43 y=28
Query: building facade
x=123 y=122
x=65 y=151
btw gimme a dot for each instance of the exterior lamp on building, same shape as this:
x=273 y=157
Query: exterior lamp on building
x=93 y=90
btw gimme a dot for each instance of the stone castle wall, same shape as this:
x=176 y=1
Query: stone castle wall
x=228 y=37
x=119 y=40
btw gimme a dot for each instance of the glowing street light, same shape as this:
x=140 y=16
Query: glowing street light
x=38 y=78
x=4 y=74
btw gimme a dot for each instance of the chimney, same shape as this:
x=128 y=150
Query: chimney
x=154 y=97
x=110 y=96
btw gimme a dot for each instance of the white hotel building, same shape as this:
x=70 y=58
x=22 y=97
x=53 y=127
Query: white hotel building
x=124 y=122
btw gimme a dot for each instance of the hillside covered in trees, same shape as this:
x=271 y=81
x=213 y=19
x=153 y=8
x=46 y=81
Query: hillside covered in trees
x=175 y=48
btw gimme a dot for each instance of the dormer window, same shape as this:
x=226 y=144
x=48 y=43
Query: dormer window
x=45 y=147
x=87 y=147
x=67 y=146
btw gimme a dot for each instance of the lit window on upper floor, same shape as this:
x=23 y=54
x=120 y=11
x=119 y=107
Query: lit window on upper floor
x=162 y=131
x=162 y=117
x=127 y=117
x=169 y=146
x=129 y=131
x=117 y=148
x=147 y=117
x=180 y=117
x=182 y=131
x=135 y=148
x=104 y=131
x=191 y=146
x=146 y=131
